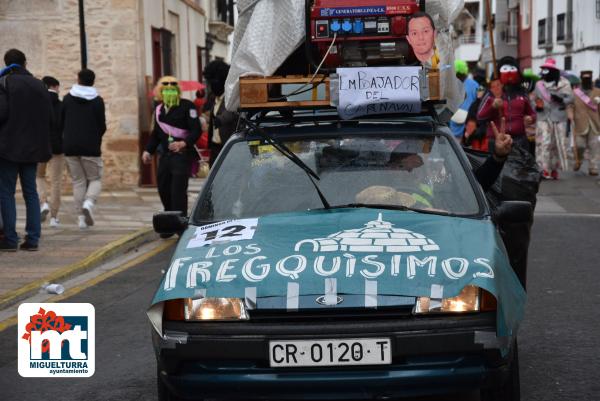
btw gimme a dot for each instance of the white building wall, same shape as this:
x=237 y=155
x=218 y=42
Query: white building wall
x=189 y=26
x=585 y=49
x=221 y=46
x=469 y=48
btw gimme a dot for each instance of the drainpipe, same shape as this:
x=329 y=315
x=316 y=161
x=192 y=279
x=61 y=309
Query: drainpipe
x=82 y=38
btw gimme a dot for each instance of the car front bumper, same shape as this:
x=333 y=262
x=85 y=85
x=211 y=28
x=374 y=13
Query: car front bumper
x=429 y=355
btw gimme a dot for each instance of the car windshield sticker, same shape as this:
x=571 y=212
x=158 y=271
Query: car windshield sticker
x=222 y=232
x=360 y=251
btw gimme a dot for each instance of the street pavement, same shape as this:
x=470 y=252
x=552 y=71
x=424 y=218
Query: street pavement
x=118 y=216
x=558 y=339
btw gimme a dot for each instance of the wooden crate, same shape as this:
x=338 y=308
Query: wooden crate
x=434 y=84
x=265 y=92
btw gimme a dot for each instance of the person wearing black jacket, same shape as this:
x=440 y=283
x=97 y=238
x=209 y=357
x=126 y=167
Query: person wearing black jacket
x=176 y=131
x=222 y=123
x=51 y=204
x=84 y=124
x=25 y=118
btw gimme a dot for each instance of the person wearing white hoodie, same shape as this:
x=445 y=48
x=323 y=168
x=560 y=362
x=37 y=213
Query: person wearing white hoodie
x=84 y=124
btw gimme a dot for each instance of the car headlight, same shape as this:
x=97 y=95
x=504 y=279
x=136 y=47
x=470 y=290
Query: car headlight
x=215 y=309
x=205 y=309
x=467 y=301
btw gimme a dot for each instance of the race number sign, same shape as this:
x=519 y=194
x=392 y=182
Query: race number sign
x=378 y=90
x=224 y=231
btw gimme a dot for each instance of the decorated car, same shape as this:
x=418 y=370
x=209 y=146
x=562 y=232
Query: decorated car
x=330 y=259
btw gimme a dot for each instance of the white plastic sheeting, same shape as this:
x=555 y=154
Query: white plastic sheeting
x=444 y=12
x=266 y=34
x=269 y=31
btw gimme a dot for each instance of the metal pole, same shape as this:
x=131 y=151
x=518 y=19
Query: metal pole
x=82 y=38
x=491 y=33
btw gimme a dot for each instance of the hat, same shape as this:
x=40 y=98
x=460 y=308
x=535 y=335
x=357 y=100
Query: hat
x=461 y=67
x=550 y=63
x=508 y=60
x=529 y=74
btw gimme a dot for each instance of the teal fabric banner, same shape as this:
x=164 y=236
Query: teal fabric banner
x=346 y=251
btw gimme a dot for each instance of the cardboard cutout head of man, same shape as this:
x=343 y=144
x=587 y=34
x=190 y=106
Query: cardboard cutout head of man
x=167 y=91
x=508 y=71
x=421 y=36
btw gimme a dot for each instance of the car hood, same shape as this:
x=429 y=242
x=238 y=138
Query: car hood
x=359 y=252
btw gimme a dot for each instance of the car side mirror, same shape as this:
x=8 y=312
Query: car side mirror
x=514 y=212
x=169 y=222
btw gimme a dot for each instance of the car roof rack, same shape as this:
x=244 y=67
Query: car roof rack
x=263 y=101
x=295 y=116
x=266 y=93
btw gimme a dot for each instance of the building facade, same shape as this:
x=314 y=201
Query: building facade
x=469 y=32
x=525 y=34
x=569 y=32
x=130 y=44
x=505 y=30
x=473 y=41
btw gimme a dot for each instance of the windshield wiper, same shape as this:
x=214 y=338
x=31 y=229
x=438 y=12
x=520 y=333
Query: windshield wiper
x=371 y=206
x=284 y=150
x=390 y=207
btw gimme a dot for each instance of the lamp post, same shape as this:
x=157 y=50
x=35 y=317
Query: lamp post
x=491 y=33
x=82 y=38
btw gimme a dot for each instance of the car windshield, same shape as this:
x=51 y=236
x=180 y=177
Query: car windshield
x=421 y=172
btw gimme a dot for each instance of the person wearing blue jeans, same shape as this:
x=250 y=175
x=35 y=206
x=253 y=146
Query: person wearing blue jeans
x=8 y=181
x=25 y=121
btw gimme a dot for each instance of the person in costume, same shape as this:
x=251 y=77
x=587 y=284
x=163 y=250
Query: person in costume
x=587 y=121
x=222 y=122
x=476 y=130
x=457 y=123
x=176 y=130
x=530 y=79
x=553 y=94
x=512 y=104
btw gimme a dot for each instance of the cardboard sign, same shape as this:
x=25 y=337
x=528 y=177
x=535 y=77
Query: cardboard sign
x=378 y=90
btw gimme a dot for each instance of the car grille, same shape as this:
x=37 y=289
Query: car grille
x=330 y=314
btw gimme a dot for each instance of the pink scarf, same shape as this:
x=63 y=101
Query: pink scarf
x=544 y=91
x=169 y=129
x=585 y=99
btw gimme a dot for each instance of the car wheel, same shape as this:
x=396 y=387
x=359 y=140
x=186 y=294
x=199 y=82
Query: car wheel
x=511 y=388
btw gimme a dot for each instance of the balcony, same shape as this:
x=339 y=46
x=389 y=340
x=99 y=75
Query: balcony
x=510 y=34
x=221 y=30
x=564 y=28
x=468 y=39
x=221 y=23
x=468 y=47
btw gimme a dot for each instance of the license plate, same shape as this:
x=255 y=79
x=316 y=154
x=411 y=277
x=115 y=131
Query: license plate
x=346 y=352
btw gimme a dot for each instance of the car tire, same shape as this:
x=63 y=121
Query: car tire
x=511 y=388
